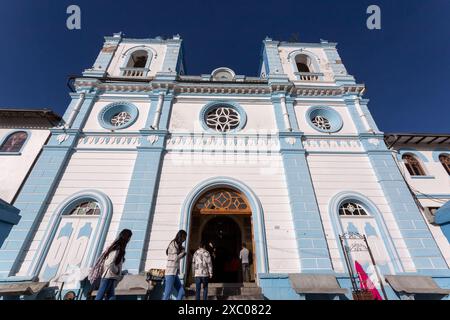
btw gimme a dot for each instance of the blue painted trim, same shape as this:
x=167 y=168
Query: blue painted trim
x=437 y=152
x=327 y=112
x=10 y=133
x=433 y=195
x=10 y=153
x=333 y=211
x=414 y=152
x=234 y=105
x=138 y=209
x=106 y=209
x=262 y=261
x=33 y=199
x=111 y=109
x=404 y=208
x=422 y=177
x=350 y=102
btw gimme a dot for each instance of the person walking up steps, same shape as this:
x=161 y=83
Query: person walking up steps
x=243 y=255
x=175 y=252
x=203 y=270
x=109 y=266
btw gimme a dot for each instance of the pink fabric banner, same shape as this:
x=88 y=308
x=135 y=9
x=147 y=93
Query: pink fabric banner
x=366 y=283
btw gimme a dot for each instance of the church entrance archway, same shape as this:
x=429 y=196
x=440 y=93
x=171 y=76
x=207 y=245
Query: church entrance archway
x=222 y=217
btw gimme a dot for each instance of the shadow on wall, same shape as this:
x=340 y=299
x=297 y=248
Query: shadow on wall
x=9 y=216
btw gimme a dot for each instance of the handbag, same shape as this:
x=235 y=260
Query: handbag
x=156 y=275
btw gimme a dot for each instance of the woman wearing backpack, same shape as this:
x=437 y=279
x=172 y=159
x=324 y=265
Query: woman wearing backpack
x=109 y=266
x=175 y=252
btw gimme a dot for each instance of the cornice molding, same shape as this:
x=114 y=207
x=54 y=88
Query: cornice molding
x=286 y=87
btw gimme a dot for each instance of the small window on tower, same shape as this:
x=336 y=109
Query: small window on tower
x=138 y=59
x=302 y=61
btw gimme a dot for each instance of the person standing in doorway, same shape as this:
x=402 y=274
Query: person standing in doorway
x=243 y=255
x=203 y=270
x=175 y=252
x=109 y=266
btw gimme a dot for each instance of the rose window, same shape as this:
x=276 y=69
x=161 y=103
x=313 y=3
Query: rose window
x=321 y=122
x=222 y=119
x=120 y=119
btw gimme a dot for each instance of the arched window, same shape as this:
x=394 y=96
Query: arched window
x=352 y=209
x=222 y=201
x=138 y=59
x=303 y=63
x=413 y=165
x=89 y=208
x=14 y=142
x=445 y=161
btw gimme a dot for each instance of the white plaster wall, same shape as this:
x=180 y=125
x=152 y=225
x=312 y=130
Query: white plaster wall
x=186 y=115
x=142 y=103
x=264 y=175
x=118 y=60
x=332 y=174
x=321 y=59
x=301 y=108
x=14 y=168
x=109 y=172
x=438 y=181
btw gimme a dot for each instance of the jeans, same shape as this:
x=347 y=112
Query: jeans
x=198 y=283
x=246 y=272
x=173 y=282
x=106 y=289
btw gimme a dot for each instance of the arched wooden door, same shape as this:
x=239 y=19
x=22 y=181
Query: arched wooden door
x=223 y=218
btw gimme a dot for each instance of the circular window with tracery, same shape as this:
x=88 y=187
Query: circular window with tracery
x=120 y=119
x=321 y=122
x=324 y=119
x=222 y=117
x=118 y=115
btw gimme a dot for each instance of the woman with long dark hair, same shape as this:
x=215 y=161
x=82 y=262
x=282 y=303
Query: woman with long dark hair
x=109 y=266
x=175 y=252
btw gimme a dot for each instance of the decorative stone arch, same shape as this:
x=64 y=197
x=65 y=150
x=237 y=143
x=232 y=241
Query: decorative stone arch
x=151 y=53
x=313 y=58
x=99 y=234
x=439 y=152
x=262 y=262
x=419 y=155
x=374 y=212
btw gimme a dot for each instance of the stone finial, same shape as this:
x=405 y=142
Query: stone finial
x=176 y=37
x=268 y=38
x=118 y=34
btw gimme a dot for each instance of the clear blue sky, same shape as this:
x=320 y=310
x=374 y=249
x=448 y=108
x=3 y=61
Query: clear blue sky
x=405 y=66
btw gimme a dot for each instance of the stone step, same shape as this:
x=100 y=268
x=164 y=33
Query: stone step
x=229 y=285
x=229 y=291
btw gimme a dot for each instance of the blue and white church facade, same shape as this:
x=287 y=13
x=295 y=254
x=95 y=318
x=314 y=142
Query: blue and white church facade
x=286 y=162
